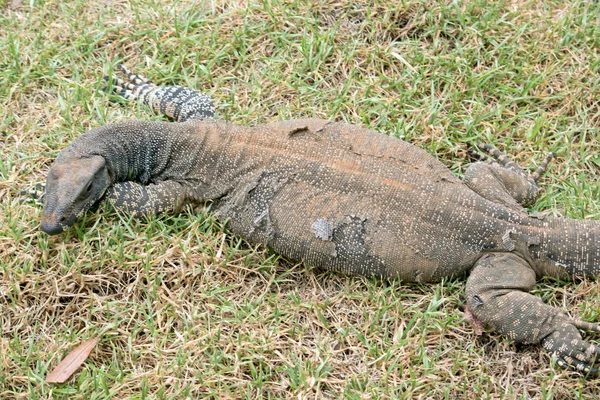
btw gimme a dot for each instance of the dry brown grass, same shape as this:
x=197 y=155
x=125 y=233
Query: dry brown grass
x=186 y=310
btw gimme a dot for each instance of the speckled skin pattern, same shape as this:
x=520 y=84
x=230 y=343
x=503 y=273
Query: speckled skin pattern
x=343 y=198
x=178 y=102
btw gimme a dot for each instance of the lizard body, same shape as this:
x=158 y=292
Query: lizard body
x=343 y=198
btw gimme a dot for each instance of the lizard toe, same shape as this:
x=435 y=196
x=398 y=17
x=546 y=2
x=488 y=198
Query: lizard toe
x=33 y=195
x=567 y=362
x=571 y=350
x=587 y=326
x=135 y=79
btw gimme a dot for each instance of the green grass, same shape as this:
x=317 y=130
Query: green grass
x=185 y=309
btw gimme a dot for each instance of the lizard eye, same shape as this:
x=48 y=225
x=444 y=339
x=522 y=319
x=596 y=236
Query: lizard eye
x=89 y=187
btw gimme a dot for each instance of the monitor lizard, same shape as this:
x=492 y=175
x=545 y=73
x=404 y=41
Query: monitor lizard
x=343 y=198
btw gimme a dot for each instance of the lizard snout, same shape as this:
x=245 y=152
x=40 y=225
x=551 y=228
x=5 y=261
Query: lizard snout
x=51 y=226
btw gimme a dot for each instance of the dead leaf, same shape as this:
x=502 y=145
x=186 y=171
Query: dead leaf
x=69 y=365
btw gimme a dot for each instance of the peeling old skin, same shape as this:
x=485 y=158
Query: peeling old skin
x=343 y=198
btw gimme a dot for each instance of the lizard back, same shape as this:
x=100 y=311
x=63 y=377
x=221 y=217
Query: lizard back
x=349 y=199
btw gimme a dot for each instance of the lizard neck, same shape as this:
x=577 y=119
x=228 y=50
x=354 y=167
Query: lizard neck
x=141 y=151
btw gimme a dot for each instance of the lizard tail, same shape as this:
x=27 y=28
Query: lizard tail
x=177 y=102
x=572 y=246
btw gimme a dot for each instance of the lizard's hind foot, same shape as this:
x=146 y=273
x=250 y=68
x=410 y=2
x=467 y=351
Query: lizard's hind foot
x=498 y=295
x=496 y=156
x=569 y=349
x=497 y=178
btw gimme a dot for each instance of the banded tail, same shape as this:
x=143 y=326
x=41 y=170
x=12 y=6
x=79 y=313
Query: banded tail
x=177 y=102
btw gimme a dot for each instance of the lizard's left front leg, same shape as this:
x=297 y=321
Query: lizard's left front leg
x=178 y=102
x=497 y=296
x=138 y=199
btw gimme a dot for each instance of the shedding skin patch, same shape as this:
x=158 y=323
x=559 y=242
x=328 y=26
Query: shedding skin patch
x=323 y=229
x=351 y=248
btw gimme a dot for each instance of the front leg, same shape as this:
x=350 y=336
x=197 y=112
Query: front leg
x=138 y=199
x=497 y=296
x=178 y=102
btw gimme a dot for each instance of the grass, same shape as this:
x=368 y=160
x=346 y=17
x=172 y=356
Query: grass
x=185 y=309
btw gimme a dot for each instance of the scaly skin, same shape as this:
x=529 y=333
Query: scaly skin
x=343 y=198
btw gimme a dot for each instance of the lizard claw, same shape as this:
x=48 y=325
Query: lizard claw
x=33 y=195
x=586 y=326
x=178 y=102
x=132 y=87
x=136 y=79
x=570 y=350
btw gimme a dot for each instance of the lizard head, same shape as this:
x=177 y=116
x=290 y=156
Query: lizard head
x=73 y=186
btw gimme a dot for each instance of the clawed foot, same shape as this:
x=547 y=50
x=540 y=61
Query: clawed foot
x=132 y=88
x=178 y=102
x=496 y=156
x=570 y=350
x=33 y=195
x=497 y=178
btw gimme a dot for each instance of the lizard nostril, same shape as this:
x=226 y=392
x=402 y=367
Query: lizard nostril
x=62 y=218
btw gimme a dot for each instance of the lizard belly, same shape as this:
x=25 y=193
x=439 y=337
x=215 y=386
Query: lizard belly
x=352 y=200
x=328 y=228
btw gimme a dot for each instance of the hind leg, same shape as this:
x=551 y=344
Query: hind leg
x=502 y=181
x=497 y=295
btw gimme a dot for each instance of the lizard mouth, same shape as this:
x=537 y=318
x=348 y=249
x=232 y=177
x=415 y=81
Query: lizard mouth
x=53 y=227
